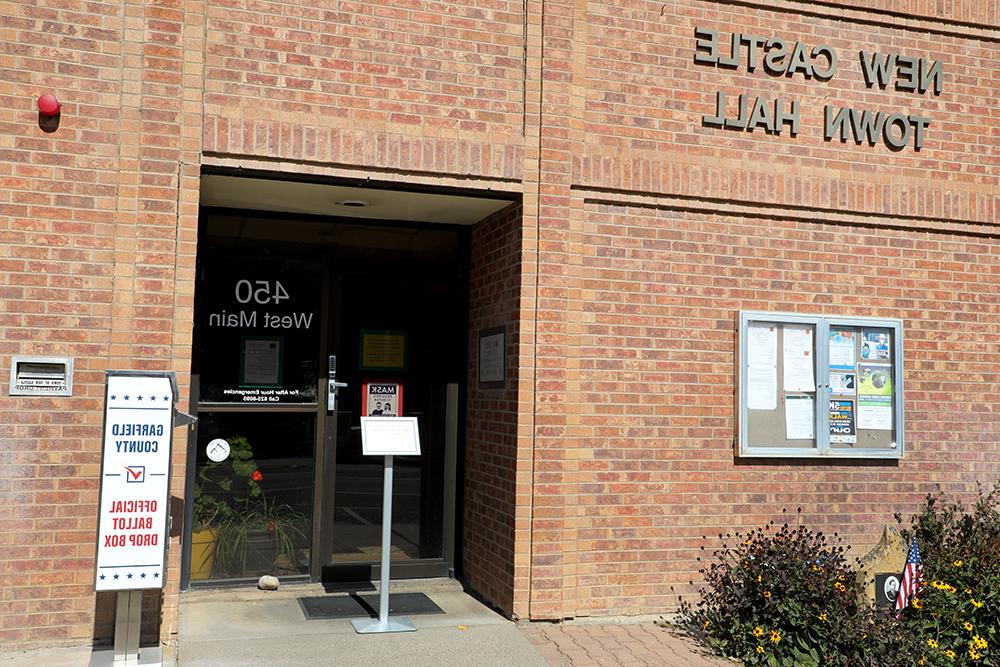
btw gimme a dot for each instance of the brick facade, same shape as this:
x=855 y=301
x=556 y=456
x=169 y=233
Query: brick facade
x=640 y=234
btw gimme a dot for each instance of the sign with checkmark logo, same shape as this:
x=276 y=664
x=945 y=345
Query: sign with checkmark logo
x=132 y=532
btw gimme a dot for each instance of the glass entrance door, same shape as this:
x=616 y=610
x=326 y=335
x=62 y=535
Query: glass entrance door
x=254 y=476
x=278 y=481
x=400 y=341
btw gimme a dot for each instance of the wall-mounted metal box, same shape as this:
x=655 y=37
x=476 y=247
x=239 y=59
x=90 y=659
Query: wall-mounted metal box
x=41 y=376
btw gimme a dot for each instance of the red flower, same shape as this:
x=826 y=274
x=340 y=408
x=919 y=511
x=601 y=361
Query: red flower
x=256 y=476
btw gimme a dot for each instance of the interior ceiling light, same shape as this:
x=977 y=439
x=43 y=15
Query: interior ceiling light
x=356 y=203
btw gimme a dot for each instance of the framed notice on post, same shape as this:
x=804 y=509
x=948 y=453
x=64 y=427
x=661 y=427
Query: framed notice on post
x=492 y=362
x=135 y=481
x=390 y=436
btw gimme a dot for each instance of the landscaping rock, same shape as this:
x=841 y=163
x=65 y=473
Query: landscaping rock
x=267 y=583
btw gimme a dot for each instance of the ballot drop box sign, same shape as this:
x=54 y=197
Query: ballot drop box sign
x=135 y=476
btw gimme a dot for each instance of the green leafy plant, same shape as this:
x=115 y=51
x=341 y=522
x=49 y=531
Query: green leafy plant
x=254 y=534
x=784 y=595
x=956 y=617
x=223 y=486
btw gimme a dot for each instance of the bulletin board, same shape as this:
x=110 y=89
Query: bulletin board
x=812 y=385
x=767 y=427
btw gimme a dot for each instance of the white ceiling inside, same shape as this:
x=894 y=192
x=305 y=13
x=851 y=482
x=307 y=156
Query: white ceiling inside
x=325 y=199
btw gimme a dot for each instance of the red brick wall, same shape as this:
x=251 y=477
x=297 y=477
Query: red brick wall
x=645 y=99
x=95 y=264
x=661 y=292
x=491 y=448
x=639 y=282
x=430 y=86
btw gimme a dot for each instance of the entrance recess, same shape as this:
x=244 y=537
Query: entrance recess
x=285 y=303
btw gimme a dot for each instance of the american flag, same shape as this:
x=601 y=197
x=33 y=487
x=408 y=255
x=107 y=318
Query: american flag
x=912 y=573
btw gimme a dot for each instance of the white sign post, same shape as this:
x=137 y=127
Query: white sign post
x=387 y=436
x=132 y=532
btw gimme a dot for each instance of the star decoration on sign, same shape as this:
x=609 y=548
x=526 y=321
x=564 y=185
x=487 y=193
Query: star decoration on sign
x=129 y=575
x=102 y=577
x=126 y=397
x=166 y=398
x=152 y=398
x=138 y=398
x=142 y=576
x=113 y=397
x=116 y=576
x=156 y=575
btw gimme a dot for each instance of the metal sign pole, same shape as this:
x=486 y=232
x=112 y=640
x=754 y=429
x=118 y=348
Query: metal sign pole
x=383 y=624
x=128 y=618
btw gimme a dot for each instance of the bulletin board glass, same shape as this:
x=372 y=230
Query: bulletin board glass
x=813 y=386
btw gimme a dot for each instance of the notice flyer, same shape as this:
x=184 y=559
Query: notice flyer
x=874 y=380
x=762 y=366
x=843 y=383
x=842 y=349
x=797 y=358
x=842 y=426
x=875 y=413
x=800 y=418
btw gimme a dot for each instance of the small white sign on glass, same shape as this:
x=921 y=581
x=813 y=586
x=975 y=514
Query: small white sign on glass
x=390 y=436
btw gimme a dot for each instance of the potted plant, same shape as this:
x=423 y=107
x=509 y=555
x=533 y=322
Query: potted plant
x=262 y=536
x=220 y=488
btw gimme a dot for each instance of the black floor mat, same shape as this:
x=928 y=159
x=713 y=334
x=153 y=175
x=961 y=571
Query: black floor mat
x=359 y=606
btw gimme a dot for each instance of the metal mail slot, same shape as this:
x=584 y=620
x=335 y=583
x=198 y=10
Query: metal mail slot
x=41 y=376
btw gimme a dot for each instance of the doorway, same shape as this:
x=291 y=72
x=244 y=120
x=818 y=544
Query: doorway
x=284 y=304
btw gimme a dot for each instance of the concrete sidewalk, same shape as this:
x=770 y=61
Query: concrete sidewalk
x=265 y=629
x=245 y=627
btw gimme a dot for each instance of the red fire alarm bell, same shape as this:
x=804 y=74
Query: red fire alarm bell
x=48 y=105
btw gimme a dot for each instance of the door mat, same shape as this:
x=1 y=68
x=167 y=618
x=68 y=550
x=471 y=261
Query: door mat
x=359 y=606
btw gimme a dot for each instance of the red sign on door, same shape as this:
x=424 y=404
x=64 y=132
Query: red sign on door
x=381 y=399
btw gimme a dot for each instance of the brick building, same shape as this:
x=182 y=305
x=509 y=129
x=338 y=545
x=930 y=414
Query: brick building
x=551 y=223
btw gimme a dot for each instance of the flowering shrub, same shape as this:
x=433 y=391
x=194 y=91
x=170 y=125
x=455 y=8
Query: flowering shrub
x=788 y=596
x=956 y=617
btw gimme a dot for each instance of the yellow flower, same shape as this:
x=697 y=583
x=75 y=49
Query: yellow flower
x=767 y=595
x=967 y=626
x=758 y=578
x=968 y=591
x=760 y=649
x=932 y=643
x=815 y=568
x=957 y=563
x=949 y=654
x=976 y=603
x=758 y=632
x=839 y=586
x=705 y=625
x=973 y=654
x=822 y=616
x=918 y=603
x=950 y=589
x=921 y=661
x=775 y=636
x=979 y=642
x=840 y=577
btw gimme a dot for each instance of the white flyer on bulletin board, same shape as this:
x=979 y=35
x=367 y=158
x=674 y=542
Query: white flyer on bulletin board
x=762 y=366
x=800 y=418
x=798 y=358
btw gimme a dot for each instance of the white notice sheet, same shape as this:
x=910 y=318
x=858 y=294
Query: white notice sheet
x=875 y=413
x=798 y=359
x=762 y=366
x=800 y=417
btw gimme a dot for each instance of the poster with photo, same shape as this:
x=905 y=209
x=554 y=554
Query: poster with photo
x=874 y=380
x=874 y=345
